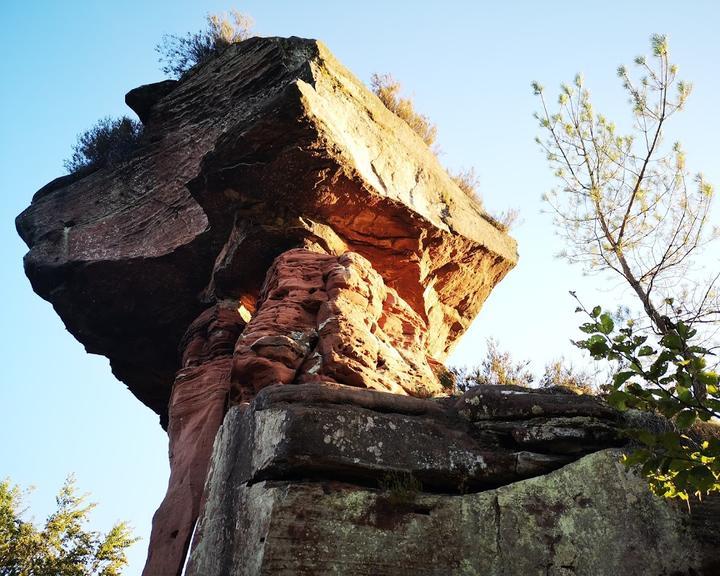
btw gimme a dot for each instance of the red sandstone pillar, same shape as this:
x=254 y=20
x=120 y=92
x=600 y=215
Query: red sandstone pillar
x=197 y=406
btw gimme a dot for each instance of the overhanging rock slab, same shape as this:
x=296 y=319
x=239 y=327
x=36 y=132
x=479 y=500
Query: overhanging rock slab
x=270 y=145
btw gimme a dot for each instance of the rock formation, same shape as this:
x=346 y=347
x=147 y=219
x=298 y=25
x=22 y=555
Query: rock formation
x=282 y=246
x=277 y=224
x=504 y=481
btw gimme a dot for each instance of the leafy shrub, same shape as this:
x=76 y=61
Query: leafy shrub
x=387 y=89
x=671 y=378
x=109 y=142
x=497 y=368
x=180 y=54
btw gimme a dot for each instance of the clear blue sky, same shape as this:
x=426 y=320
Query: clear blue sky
x=468 y=66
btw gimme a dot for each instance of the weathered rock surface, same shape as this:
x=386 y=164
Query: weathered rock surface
x=278 y=215
x=271 y=146
x=197 y=407
x=325 y=318
x=324 y=479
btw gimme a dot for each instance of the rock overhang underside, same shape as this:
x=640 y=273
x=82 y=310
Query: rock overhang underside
x=271 y=145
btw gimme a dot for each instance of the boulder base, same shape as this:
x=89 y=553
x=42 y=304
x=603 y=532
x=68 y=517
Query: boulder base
x=324 y=479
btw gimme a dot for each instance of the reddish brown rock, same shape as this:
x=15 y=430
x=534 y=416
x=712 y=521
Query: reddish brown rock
x=288 y=149
x=269 y=181
x=197 y=407
x=324 y=318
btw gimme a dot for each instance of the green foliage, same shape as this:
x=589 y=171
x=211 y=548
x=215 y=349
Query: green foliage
x=62 y=547
x=109 y=142
x=670 y=378
x=626 y=203
x=497 y=368
x=388 y=89
x=180 y=54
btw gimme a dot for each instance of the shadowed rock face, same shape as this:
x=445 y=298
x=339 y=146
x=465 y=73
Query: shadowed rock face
x=322 y=479
x=277 y=224
x=273 y=145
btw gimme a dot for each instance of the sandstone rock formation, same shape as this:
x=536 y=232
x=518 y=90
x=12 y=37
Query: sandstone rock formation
x=197 y=406
x=282 y=246
x=277 y=224
x=324 y=479
x=273 y=145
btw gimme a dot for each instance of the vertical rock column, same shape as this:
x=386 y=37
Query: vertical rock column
x=319 y=318
x=197 y=406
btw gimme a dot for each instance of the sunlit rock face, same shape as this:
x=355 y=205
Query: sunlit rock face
x=276 y=225
x=325 y=318
x=273 y=145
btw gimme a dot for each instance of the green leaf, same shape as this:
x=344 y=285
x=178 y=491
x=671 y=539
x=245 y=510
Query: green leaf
x=621 y=377
x=678 y=464
x=684 y=394
x=618 y=400
x=669 y=407
x=701 y=479
x=637 y=456
x=669 y=440
x=672 y=341
x=589 y=327
x=645 y=351
x=606 y=324
x=685 y=419
x=710 y=379
x=599 y=348
x=596 y=311
x=647 y=438
x=682 y=329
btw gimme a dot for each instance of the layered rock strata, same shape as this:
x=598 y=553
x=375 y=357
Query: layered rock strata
x=286 y=223
x=272 y=145
x=332 y=318
x=325 y=479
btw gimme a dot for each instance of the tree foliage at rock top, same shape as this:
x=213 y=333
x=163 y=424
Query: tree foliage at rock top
x=627 y=206
x=109 y=142
x=180 y=54
x=62 y=547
